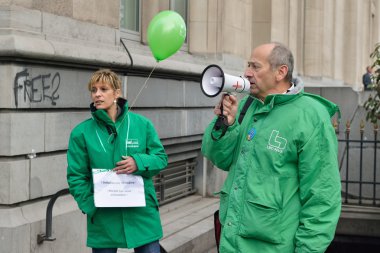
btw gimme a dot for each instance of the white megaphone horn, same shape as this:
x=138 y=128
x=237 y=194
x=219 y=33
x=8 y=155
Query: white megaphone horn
x=215 y=81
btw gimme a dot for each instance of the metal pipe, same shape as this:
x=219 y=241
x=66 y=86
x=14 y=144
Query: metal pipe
x=347 y=156
x=361 y=161
x=376 y=128
x=49 y=217
x=204 y=181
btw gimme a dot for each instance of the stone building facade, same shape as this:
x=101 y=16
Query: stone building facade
x=48 y=50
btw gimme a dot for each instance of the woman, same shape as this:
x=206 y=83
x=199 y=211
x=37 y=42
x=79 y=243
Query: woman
x=125 y=142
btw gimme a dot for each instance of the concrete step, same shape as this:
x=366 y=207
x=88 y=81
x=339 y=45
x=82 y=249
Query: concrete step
x=359 y=221
x=188 y=225
x=213 y=250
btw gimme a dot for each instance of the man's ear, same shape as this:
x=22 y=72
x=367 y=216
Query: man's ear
x=281 y=72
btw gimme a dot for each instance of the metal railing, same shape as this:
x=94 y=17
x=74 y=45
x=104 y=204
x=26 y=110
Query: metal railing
x=358 y=166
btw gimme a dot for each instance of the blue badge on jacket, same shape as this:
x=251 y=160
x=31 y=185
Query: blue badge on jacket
x=251 y=133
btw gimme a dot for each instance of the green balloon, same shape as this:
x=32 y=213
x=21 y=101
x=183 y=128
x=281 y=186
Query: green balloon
x=166 y=34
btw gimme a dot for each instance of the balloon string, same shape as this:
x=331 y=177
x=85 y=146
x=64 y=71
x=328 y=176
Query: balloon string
x=146 y=81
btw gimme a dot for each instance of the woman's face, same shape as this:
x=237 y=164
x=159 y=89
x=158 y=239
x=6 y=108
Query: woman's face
x=103 y=95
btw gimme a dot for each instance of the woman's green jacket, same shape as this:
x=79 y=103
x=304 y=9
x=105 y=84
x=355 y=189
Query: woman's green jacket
x=100 y=143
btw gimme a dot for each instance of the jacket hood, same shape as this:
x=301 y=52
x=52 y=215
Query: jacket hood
x=298 y=91
x=298 y=86
x=290 y=95
x=330 y=106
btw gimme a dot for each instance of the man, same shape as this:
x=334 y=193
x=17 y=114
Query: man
x=367 y=78
x=282 y=192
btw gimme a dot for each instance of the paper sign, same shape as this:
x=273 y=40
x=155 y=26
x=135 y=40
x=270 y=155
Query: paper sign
x=117 y=190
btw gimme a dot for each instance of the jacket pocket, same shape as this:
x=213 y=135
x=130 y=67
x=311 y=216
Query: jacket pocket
x=151 y=198
x=261 y=221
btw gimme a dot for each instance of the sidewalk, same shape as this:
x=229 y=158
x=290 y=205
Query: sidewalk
x=188 y=225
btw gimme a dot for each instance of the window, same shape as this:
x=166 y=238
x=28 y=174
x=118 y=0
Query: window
x=130 y=17
x=181 y=7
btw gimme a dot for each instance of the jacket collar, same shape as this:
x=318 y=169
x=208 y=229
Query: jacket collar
x=296 y=91
x=101 y=115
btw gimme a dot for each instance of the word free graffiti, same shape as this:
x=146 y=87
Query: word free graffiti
x=37 y=89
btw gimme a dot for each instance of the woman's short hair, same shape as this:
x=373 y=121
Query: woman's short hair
x=105 y=76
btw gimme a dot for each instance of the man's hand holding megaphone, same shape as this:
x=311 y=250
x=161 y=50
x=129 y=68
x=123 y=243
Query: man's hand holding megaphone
x=227 y=107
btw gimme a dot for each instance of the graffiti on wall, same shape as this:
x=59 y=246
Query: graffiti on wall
x=37 y=89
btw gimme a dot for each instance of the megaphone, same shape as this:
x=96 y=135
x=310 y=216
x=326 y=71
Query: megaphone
x=215 y=81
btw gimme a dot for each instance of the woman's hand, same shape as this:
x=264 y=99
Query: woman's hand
x=126 y=166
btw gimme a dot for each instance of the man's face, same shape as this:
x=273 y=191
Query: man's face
x=259 y=72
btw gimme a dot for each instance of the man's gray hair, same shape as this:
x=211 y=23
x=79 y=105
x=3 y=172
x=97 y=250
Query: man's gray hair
x=281 y=55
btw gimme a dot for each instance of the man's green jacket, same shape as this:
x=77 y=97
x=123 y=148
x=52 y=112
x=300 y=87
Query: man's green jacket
x=283 y=190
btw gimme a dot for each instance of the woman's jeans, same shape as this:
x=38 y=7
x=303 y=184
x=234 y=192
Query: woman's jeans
x=153 y=247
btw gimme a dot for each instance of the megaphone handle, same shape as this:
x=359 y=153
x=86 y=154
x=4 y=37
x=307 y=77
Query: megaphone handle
x=221 y=109
x=221 y=123
x=222 y=118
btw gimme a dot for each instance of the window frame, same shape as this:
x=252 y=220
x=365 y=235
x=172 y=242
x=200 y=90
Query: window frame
x=185 y=46
x=138 y=36
x=131 y=34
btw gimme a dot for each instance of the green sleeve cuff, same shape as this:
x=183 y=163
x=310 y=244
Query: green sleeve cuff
x=139 y=163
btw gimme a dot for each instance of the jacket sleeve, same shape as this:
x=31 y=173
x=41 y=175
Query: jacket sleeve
x=79 y=174
x=320 y=190
x=221 y=151
x=155 y=159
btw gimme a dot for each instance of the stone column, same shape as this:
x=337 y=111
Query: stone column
x=313 y=38
x=296 y=33
x=376 y=21
x=261 y=22
x=353 y=42
x=327 y=61
x=202 y=27
x=339 y=40
x=280 y=21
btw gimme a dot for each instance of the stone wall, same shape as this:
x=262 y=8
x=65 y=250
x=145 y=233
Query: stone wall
x=46 y=61
x=48 y=50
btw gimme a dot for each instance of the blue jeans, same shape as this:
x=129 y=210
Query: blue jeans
x=104 y=250
x=153 y=247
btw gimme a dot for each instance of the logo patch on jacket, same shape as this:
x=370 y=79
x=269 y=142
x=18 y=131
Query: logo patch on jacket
x=276 y=142
x=132 y=143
